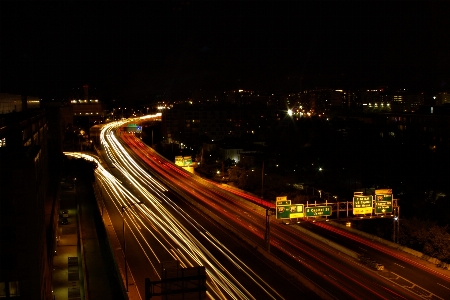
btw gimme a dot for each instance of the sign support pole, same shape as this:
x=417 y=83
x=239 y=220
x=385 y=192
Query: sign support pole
x=337 y=210
x=267 y=235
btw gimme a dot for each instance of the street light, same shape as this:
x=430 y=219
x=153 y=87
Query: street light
x=396 y=223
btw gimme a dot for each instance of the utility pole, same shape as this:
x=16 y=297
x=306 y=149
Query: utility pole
x=267 y=235
x=262 y=181
x=396 y=223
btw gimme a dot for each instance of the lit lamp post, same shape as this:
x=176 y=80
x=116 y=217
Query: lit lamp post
x=396 y=223
x=337 y=206
x=262 y=181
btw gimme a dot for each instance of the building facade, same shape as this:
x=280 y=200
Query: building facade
x=25 y=249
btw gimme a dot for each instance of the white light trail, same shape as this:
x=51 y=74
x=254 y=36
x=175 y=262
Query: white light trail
x=150 y=216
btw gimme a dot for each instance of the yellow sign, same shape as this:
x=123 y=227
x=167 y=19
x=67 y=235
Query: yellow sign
x=383 y=192
x=362 y=211
x=282 y=198
x=283 y=202
x=362 y=205
x=297 y=211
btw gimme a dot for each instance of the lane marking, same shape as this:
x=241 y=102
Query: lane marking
x=443 y=286
x=415 y=288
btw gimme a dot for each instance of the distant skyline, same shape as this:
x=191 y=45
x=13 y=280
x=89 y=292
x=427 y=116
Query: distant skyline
x=137 y=49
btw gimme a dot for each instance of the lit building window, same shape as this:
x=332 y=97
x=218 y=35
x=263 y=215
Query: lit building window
x=2 y=289
x=14 y=289
x=9 y=289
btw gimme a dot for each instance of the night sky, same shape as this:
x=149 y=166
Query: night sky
x=139 y=50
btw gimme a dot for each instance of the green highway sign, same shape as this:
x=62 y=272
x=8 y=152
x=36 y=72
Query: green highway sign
x=362 y=205
x=187 y=161
x=317 y=211
x=283 y=211
x=283 y=207
x=383 y=204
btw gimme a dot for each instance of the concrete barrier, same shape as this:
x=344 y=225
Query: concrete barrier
x=328 y=242
x=106 y=221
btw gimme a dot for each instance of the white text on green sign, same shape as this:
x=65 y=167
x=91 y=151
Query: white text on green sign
x=383 y=204
x=283 y=211
x=318 y=211
x=289 y=211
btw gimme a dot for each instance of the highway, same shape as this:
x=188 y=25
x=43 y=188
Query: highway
x=170 y=214
x=401 y=268
x=307 y=256
x=160 y=228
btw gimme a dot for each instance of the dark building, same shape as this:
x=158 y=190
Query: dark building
x=28 y=206
x=87 y=109
x=185 y=122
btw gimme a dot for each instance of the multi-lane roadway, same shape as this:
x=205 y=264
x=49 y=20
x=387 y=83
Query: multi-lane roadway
x=171 y=215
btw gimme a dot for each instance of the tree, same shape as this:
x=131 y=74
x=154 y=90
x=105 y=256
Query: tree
x=426 y=237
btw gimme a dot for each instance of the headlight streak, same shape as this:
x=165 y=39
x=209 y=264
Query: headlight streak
x=187 y=217
x=382 y=249
x=320 y=259
x=184 y=262
x=199 y=257
x=111 y=185
x=208 y=183
x=185 y=241
x=143 y=250
x=284 y=250
x=197 y=254
x=232 y=262
x=131 y=165
x=234 y=258
x=209 y=191
x=183 y=247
